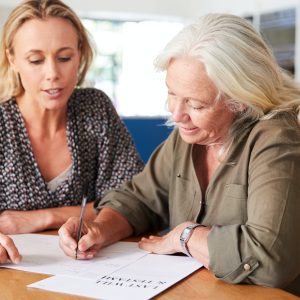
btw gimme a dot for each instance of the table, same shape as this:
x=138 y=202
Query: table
x=200 y=285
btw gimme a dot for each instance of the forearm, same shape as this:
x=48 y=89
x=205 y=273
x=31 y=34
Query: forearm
x=197 y=245
x=56 y=217
x=114 y=226
x=15 y=222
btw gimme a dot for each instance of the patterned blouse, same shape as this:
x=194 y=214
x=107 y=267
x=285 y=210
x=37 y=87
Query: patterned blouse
x=103 y=155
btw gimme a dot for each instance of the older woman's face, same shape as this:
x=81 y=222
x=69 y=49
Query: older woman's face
x=191 y=100
x=47 y=59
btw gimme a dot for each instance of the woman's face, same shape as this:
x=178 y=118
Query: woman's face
x=46 y=56
x=191 y=100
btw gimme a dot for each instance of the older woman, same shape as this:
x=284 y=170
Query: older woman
x=226 y=181
x=58 y=142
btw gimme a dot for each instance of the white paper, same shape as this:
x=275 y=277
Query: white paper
x=42 y=254
x=142 y=279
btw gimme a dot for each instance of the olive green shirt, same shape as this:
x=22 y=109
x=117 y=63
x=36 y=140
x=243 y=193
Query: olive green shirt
x=252 y=202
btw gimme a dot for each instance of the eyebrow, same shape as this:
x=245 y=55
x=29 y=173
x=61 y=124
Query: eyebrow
x=194 y=99
x=34 y=51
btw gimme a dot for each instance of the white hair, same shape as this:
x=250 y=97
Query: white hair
x=240 y=64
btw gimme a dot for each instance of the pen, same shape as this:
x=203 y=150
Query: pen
x=79 y=229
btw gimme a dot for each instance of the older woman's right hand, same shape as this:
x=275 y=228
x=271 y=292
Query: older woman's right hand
x=8 y=250
x=88 y=245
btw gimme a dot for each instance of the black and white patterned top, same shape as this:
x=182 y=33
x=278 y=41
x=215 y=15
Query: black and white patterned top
x=102 y=151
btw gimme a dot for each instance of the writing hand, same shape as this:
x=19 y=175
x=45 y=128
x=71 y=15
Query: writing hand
x=88 y=245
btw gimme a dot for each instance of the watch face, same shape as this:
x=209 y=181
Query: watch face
x=185 y=233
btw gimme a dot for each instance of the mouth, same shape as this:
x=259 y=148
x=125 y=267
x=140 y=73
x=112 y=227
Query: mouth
x=55 y=92
x=188 y=128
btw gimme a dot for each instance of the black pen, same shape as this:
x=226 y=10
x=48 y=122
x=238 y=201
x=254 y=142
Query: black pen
x=79 y=229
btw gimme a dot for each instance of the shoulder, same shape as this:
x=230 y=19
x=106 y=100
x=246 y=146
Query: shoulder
x=275 y=137
x=7 y=111
x=283 y=128
x=93 y=104
x=89 y=98
x=7 y=105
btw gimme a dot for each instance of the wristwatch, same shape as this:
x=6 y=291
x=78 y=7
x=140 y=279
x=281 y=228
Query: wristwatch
x=185 y=236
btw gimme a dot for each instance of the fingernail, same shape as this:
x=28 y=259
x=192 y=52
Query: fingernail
x=90 y=256
x=17 y=260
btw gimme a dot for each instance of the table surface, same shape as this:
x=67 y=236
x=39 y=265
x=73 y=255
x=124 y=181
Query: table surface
x=200 y=285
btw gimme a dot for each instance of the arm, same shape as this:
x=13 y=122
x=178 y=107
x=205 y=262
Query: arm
x=264 y=250
x=136 y=207
x=107 y=228
x=15 y=222
x=144 y=201
x=8 y=250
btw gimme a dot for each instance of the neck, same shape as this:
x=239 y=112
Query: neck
x=43 y=122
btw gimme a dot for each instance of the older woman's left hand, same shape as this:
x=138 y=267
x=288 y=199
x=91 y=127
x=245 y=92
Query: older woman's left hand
x=170 y=243
x=166 y=244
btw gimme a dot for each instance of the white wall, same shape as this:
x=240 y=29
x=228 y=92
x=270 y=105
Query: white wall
x=174 y=9
x=178 y=9
x=4 y=11
x=243 y=8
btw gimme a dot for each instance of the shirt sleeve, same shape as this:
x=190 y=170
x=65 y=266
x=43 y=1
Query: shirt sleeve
x=266 y=249
x=144 y=200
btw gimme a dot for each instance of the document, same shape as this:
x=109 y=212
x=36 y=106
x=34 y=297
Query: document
x=120 y=271
x=42 y=254
x=143 y=279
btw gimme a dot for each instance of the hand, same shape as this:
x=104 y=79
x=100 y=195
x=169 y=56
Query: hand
x=166 y=244
x=8 y=250
x=15 y=222
x=88 y=245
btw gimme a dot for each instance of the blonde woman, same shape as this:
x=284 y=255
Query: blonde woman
x=58 y=142
x=226 y=181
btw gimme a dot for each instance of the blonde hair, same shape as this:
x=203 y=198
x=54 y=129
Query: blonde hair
x=241 y=66
x=10 y=84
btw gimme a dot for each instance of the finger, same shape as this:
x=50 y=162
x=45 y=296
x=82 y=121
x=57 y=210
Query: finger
x=3 y=255
x=67 y=233
x=67 y=249
x=87 y=242
x=91 y=239
x=10 y=248
x=89 y=254
x=158 y=245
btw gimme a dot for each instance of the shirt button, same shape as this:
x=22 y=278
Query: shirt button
x=247 y=267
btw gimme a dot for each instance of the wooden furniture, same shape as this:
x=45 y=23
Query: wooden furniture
x=200 y=285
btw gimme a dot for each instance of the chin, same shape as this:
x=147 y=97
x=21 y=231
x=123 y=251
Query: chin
x=54 y=105
x=188 y=140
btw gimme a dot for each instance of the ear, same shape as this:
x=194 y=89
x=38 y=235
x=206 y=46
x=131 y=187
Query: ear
x=11 y=59
x=237 y=106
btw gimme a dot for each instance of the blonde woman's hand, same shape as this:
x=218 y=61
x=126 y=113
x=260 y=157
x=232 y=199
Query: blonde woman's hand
x=8 y=250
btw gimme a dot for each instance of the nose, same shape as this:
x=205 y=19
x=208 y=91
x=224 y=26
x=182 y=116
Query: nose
x=52 y=70
x=179 y=111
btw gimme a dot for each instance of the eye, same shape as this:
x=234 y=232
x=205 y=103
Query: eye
x=194 y=104
x=64 y=58
x=36 y=61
